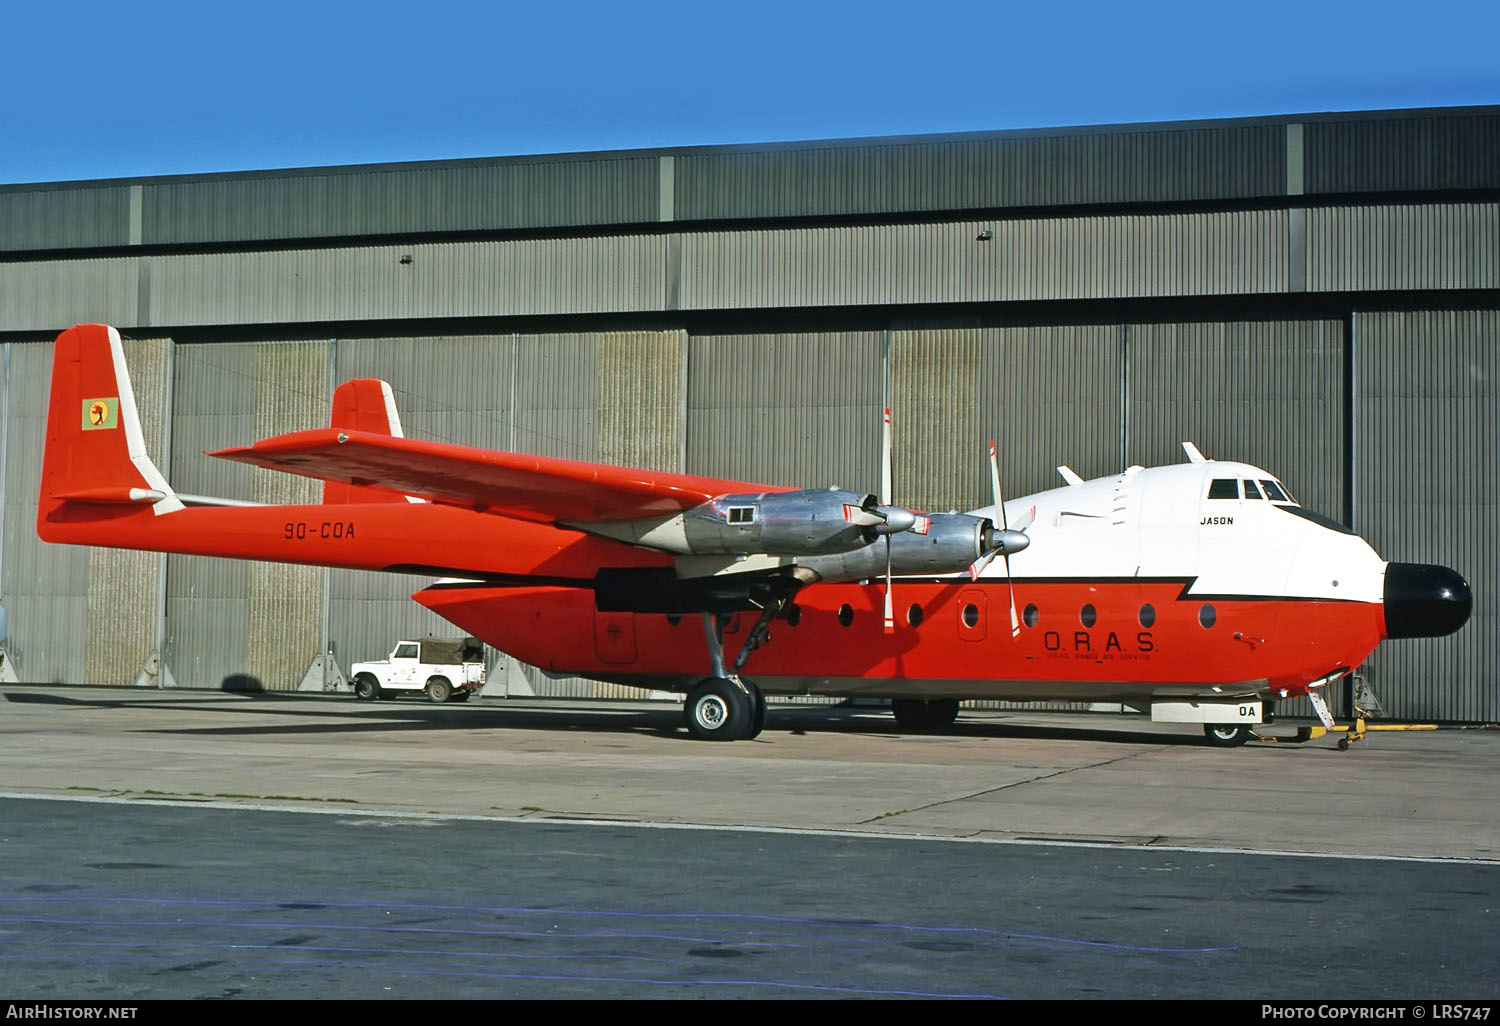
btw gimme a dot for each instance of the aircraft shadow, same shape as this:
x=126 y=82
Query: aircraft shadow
x=336 y=717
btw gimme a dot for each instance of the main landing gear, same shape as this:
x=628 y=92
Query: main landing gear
x=914 y=714
x=726 y=707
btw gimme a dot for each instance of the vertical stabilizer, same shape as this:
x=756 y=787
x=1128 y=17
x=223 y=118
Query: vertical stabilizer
x=95 y=453
x=364 y=404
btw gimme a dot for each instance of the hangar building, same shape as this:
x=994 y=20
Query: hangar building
x=1317 y=294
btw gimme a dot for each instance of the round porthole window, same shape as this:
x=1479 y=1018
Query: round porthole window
x=1031 y=614
x=1147 y=615
x=971 y=615
x=1087 y=616
x=1207 y=616
x=914 y=614
x=674 y=619
x=846 y=614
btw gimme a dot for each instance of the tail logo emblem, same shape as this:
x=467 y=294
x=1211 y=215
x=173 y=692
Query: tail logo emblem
x=99 y=414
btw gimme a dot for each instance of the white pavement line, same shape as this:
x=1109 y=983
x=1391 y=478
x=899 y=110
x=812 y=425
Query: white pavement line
x=438 y=817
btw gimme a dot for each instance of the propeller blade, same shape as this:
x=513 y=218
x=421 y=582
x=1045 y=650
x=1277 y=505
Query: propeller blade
x=885 y=460
x=890 y=610
x=1010 y=585
x=995 y=487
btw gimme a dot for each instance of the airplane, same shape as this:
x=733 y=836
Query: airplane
x=1201 y=592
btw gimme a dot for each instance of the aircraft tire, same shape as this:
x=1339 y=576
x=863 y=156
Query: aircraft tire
x=916 y=714
x=438 y=689
x=366 y=688
x=757 y=713
x=720 y=709
x=1226 y=735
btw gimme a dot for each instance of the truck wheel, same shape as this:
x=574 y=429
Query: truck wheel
x=438 y=689
x=366 y=687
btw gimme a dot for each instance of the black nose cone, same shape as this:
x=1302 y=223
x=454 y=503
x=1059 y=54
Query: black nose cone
x=1424 y=601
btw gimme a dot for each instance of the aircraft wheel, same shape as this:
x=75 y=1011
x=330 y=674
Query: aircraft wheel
x=916 y=714
x=366 y=688
x=757 y=711
x=942 y=712
x=1226 y=735
x=438 y=689
x=719 y=709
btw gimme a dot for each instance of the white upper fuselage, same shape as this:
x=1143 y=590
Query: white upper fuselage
x=1161 y=523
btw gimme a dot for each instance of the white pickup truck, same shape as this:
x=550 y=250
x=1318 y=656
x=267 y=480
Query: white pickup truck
x=445 y=669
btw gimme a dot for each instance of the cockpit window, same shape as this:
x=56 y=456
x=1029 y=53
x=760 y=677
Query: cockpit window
x=1275 y=492
x=1251 y=492
x=1224 y=488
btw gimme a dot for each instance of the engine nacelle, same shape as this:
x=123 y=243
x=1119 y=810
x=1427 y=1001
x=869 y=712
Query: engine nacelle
x=803 y=523
x=952 y=543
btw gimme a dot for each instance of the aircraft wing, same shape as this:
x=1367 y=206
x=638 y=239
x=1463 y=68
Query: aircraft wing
x=536 y=488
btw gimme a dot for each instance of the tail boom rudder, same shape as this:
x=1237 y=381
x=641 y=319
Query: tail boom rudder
x=94 y=464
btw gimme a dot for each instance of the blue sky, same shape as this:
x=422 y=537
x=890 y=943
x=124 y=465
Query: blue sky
x=119 y=90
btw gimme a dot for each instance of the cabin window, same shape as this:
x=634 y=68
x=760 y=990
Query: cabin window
x=1088 y=616
x=971 y=615
x=846 y=614
x=1224 y=488
x=1251 y=492
x=406 y=651
x=1207 y=616
x=1147 y=615
x=1274 y=492
x=914 y=615
x=1031 y=614
x=742 y=514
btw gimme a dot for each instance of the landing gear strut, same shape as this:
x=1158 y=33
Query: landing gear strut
x=725 y=707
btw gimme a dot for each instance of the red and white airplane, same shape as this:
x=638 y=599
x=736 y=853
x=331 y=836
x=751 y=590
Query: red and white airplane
x=1201 y=591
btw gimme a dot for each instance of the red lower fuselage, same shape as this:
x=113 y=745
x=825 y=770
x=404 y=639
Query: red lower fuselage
x=961 y=647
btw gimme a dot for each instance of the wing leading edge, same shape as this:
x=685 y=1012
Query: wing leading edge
x=536 y=488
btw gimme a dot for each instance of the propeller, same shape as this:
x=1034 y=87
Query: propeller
x=1004 y=542
x=885 y=500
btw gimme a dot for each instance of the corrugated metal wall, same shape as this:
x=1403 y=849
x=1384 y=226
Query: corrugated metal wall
x=1426 y=490
x=123 y=589
x=1103 y=167
x=1269 y=393
x=45 y=588
x=1377 y=247
x=513 y=194
x=214 y=402
x=1446 y=151
x=797 y=409
x=253 y=625
x=1207 y=161
x=1045 y=395
x=1431 y=246
x=64 y=217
